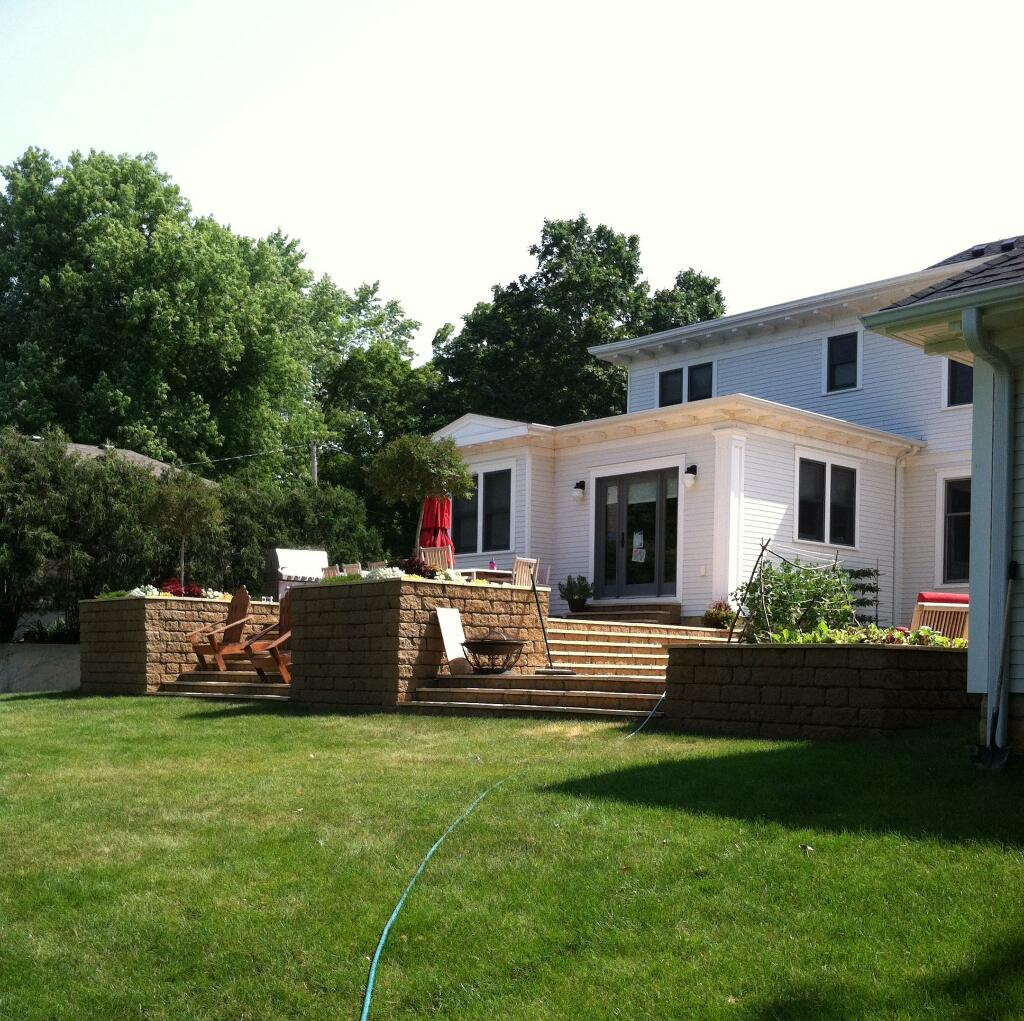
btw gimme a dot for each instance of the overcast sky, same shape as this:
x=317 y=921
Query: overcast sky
x=787 y=148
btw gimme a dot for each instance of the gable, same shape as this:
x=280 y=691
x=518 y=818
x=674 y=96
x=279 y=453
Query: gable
x=470 y=429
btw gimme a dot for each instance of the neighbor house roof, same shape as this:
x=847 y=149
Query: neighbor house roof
x=738 y=409
x=151 y=463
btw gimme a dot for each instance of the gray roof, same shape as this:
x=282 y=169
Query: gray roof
x=87 y=450
x=982 y=251
x=1004 y=269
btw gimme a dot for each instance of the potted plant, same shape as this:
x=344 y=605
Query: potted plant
x=575 y=591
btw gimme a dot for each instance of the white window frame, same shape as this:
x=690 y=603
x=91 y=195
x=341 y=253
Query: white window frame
x=943 y=476
x=828 y=459
x=685 y=371
x=946 y=406
x=480 y=470
x=824 y=362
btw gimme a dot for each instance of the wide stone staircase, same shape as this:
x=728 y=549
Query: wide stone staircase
x=237 y=683
x=618 y=671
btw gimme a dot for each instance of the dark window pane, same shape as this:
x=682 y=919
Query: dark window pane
x=670 y=388
x=668 y=574
x=961 y=384
x=811 y=510
x=957 y=540
x=611 y=533
x=843 y=509
x=497 y=510
x=842 y=362
x=464 y=522
x=698 y=386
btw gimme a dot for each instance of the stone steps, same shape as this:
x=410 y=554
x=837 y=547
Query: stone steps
x=211 y=683
x=614 y=684
x=539 y=698
x=521 y=709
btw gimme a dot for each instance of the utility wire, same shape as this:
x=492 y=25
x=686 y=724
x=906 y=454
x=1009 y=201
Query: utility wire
x=258 y=453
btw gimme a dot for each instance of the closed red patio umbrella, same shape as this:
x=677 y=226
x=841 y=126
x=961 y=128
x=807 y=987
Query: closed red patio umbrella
x=435 y=527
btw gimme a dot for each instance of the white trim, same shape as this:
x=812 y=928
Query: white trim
x=825 y=392
x=633 y=467
x=479 y=469
x=727 y=528
x=946 y=406
x=528 y=510
x=942 y=476
x=828 y=459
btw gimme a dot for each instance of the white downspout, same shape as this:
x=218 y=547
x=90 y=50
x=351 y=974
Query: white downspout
x=998 y=495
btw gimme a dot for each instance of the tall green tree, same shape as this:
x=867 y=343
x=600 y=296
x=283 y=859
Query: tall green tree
x=125 y=318
x=523 y=354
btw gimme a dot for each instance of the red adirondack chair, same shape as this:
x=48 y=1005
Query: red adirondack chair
x=268 y=650
x=223 y=641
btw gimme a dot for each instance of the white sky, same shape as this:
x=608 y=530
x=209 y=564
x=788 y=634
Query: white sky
x=788 y=148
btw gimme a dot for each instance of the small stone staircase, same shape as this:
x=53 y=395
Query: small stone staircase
x=234 y=684
x=637 y=613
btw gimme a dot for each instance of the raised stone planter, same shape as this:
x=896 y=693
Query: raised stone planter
x=28 y=666
x=130 y=646
x=371 y=645
x=815 y=691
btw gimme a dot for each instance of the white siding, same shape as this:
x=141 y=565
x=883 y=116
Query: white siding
x=768 y=511
x=901 y=393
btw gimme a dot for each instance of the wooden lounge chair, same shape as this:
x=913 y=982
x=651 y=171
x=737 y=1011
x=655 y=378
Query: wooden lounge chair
x=524 y=570
x=268 y=651
x=376 y=565
x=352 y=568
x=223 y=641
x=331 y=572
x=945 y=612
x=436 y=556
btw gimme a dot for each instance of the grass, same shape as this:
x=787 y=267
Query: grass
x=171 y=859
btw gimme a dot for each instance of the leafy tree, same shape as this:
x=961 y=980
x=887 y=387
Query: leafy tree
x=523 y=354
x=186 y=509
x=33 y=512
x=125 y=318
x=411 y=468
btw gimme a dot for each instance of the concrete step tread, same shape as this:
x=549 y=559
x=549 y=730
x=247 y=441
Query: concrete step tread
x=557 y=625
x=649 y=696
x=625 y=656
x=608 y=668
x=589 y=640
x=220 y=695
x=539 y=710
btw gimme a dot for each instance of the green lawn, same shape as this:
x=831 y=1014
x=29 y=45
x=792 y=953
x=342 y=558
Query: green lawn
x=172 y=859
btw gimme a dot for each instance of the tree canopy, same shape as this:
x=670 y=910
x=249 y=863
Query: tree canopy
x=523 y=354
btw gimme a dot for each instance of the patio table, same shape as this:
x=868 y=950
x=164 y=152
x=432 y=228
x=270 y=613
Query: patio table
x=486 y=574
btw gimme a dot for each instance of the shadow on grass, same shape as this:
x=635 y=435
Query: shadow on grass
x=44 y=696
x=920 y=785
x=248 y=709
x=988 y=988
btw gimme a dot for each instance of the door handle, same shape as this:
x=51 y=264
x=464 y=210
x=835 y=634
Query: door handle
x=622 y=539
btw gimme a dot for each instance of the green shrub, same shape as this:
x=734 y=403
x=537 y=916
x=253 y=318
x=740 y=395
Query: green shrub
x=575 y=589
x=719 y=614
x=869 y=634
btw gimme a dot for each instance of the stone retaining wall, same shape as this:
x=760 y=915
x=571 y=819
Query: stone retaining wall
x=816 y=691
x=130 y=646
x=373 y=644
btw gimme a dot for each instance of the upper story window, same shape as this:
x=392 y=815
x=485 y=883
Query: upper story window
x=959 y=384
x=956 y=531
x=482 y=523
x=694 y=383
x=826 y=502
x=842 y=362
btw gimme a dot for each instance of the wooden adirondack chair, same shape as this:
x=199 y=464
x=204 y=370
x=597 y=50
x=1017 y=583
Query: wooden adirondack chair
x=268 y=650
x=331 y=572
x=223 y=641
x=356 y=569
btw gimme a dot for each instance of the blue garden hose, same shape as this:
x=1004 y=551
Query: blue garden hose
x=372 y=977
x=647 y=719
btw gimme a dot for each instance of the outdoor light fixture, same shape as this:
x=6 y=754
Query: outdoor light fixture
x=690 y=475
x=579 y=491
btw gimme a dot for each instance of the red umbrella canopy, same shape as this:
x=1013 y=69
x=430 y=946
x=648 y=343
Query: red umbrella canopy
x=437 y=522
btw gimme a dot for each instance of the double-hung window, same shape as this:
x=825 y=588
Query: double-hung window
x=959 y=384
x=482 y=523
x=956 y=531
x=826 y=502
x=694 y=383
x=842 y=362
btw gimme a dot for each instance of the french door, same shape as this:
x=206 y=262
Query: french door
x=635 y=534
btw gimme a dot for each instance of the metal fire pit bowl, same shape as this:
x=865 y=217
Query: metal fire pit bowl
x=495 y=653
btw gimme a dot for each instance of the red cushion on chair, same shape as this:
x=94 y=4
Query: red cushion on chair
x=953 y=598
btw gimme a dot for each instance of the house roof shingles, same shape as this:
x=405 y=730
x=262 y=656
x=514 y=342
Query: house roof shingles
x=1005 y=269
x=984 y=251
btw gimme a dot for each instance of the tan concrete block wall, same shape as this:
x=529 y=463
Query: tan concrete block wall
x=372 y=645
x=130 y=646
x=824 y=691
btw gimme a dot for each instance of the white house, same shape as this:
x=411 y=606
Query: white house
x=793 y=423
x=977 y=317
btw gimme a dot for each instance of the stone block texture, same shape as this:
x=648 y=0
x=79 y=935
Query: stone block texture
x=815 y=691
x=370 y=646
x=131 y=646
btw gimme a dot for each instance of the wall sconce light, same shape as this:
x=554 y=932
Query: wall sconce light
x=579 y=491
x=690 y=476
